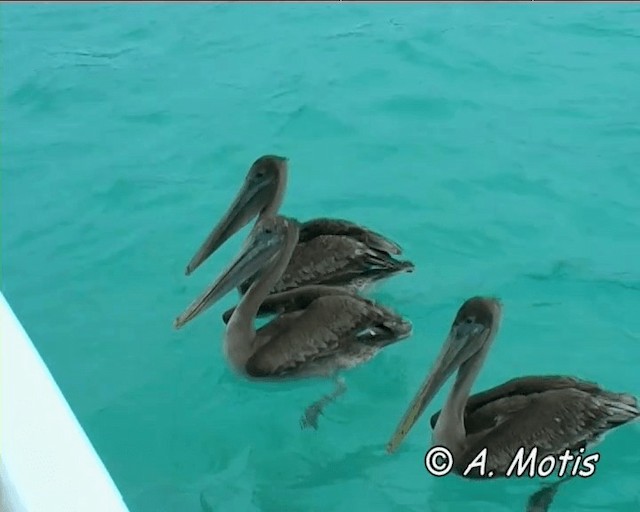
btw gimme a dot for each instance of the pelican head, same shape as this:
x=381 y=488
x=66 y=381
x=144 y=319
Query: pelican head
x=265 y=242
x=472 y=330
x=262 y=188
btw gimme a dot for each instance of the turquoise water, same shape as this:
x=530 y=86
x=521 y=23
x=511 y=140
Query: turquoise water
x=499 y=145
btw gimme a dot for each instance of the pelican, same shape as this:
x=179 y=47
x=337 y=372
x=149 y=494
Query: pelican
x=329 y=251
x=318 y=331
x=552 y=413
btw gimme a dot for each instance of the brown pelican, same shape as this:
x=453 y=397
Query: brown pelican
x=552 y=413
x=318 y=330
x=329 y=251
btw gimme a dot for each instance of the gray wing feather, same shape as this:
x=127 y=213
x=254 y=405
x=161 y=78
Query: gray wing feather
x=335 y=260
x=329 y=324
x=552 y=421
x=291 y=300
x=568 y=414
x=323 y=226
x=517 y=389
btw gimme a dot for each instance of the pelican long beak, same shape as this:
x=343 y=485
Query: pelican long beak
x=252 y=197
x=455 y=351
x=258 y=251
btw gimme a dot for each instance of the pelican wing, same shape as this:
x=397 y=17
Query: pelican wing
x=291 y=300
x=554 y=421
x=319 y=227
x=336 y=260
x=515 y=393
x=334 y=331
x=276 y=326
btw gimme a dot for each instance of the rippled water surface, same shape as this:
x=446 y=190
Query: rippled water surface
x=499 y=145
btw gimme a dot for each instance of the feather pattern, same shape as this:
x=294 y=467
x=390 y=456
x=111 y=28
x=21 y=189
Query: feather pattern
x=328 y=334
x=338 y=260
x=552 y=413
